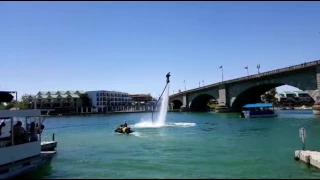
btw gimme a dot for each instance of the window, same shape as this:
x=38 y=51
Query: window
x=98 y=94
x=97 y=99
x=97 y=103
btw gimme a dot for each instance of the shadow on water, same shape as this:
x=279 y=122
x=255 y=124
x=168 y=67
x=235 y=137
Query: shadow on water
x=40 y=173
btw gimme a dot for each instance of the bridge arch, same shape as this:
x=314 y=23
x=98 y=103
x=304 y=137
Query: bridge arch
x=200 y=102
x=177 y=104
x=253 y=94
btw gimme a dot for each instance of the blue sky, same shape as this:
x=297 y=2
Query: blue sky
x=130 y=46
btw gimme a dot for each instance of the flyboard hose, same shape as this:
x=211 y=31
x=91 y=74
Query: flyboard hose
x=168 y=81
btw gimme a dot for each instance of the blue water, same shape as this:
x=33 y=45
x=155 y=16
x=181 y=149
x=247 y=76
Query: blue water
x=191 y=145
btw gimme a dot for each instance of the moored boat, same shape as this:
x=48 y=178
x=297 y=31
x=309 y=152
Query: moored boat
x=258 y=110
x=20 y=145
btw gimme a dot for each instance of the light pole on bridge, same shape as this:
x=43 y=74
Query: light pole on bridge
x=258 y=66
x=185 y=87
x=247 y=70
x=221 y=73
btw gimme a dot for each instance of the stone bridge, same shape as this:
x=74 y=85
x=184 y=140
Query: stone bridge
x=237 y=92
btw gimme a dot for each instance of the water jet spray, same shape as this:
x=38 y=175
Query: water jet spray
x=168 y=81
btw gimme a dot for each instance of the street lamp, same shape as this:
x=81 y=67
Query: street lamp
x=221 y=73
x=247 y=70
x=258 y=66
x=185 y=87
x=202 y=82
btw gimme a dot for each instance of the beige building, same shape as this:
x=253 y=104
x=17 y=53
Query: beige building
x=57 y=99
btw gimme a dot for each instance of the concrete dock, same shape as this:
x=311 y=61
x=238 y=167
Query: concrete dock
x=309 y=157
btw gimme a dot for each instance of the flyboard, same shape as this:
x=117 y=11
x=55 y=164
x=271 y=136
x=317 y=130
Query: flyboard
x=127 y=130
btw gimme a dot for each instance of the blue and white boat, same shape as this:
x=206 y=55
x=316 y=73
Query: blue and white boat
x=258 y=110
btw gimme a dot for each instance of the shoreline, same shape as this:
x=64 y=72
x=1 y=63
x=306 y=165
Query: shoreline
x=107 y=113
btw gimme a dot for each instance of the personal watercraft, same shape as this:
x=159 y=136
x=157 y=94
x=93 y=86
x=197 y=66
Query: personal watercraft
x=124 y=130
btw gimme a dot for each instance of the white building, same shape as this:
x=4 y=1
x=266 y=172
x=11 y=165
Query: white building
x=105 y=101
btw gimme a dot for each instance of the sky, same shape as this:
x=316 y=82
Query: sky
x=131 y=46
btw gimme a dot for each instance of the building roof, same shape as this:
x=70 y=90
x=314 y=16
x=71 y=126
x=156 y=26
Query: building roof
x=300 y=92
x=82 y=92
x=74 y=95
x=64 y=95
x=139 y=95
x=54 y=96
x=258 y=105
x=60 y=92
x=42 y=96
x=287 y=92
x=52 y=92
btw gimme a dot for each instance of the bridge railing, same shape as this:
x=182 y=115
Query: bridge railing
x=272 y=72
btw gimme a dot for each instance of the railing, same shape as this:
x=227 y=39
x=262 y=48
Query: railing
x=268 y=73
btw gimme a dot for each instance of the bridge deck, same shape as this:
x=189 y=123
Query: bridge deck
x=260 y=75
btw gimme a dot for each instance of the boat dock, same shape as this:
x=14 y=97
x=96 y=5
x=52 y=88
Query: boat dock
x=309 y=157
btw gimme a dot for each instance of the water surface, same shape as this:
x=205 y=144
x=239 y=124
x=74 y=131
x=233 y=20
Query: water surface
x=191 y=145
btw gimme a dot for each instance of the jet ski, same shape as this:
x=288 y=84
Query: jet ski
x=123 y=130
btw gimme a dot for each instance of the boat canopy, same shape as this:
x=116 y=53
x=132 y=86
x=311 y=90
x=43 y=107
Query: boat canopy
x=257 y=105
x=6 y=96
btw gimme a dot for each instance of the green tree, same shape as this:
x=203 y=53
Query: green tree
x=23 y=103
x=269 y=96
x=10 y=104
x=85 y=100
x=2 y=106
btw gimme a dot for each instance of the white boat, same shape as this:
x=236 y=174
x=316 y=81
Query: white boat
x=258 y=110
x=18 y=154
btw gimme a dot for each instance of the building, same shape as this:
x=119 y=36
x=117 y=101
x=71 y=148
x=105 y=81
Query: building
x=141 y=98
x=303 y=98
x=104 y=101
x=61 y=101
x=295 y=98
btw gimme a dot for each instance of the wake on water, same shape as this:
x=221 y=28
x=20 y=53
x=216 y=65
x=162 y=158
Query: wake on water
x=161 y=117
